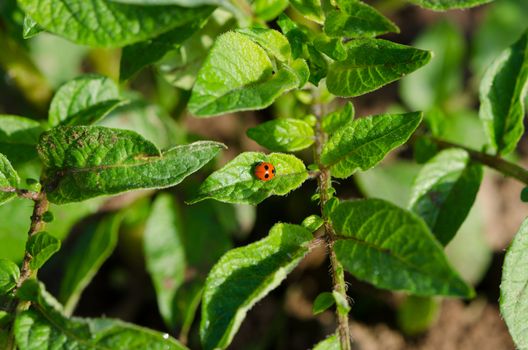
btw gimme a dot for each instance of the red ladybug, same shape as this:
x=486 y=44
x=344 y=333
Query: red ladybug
x=264 y=171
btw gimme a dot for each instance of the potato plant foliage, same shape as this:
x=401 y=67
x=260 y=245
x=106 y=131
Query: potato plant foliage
x=101 y=139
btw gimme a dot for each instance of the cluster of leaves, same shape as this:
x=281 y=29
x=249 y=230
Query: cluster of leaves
x=231 y=61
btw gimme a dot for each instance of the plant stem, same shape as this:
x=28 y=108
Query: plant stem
x=21 y=192
x=37 y=224
x=497 y=163
x=324 y=183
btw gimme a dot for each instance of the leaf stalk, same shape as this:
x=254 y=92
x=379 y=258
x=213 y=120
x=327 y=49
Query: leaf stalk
x=501 y=165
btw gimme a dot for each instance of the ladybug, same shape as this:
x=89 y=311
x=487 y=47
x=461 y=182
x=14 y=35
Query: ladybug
x=264 y=171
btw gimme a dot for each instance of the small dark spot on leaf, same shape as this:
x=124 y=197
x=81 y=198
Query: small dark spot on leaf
x=168 y=283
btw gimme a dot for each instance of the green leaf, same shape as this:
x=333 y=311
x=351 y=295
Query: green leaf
x=336 y=120
x=185 y=3
x=12 y=231
x=187 y=300
x=267 y=10
x=313 y=222
x=417 y=314
x=206 y=234
x=424 y=149
x=83 y=100
x=107 y=24
x=364 y=142
x=332 y=47
x=444 y=192
x=5 y=319
x=44 y=327
x=283 y=135
x=93 y=247
x=239 y=75
x=502 y=96
x=9 y=180
x=514 y=288
x=237 y=183
x=272 y=41
x=180 y=67
x=371 y=64
x=207 y=237
x=310 y=9
x=442 y=5
x=524 y=195
x=343 y=307
x=330 y=343
x=441 y=79
x=487 y=41
x=245 y=275
x=31 y=28
x=18 y=137
x=393 y=249
x=469 y=251
x=354 y=19
x=9 y=275
x=84 y=162
x=148 y=120
x=41 y=247
x=165 y=254
x=323 y=302
x=391 y=181
x=300 y=38
x=139 y=55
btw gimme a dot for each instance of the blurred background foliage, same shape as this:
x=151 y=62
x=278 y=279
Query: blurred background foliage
x=463 y=42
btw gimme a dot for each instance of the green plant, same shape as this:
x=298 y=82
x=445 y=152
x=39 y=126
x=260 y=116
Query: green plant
x=234 y=62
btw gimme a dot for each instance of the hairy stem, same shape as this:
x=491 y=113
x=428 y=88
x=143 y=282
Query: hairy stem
x=324 y=183
x=37 y=224
x=21 y=192
x=497 y=163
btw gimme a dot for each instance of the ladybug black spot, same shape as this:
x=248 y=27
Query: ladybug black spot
x=266 y=167
x=273 y=171
x=266 y=176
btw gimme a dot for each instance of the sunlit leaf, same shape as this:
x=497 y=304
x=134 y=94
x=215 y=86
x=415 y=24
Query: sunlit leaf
x=239 y=74
x=84 y=162
x=283 y=135
x=364 y=142
x=237 y=183
x=83 y=100
x=393 y=249
x=108 y=24
x=372 y=63
x=245 y=275
x=502 y=96
x=355 y=19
